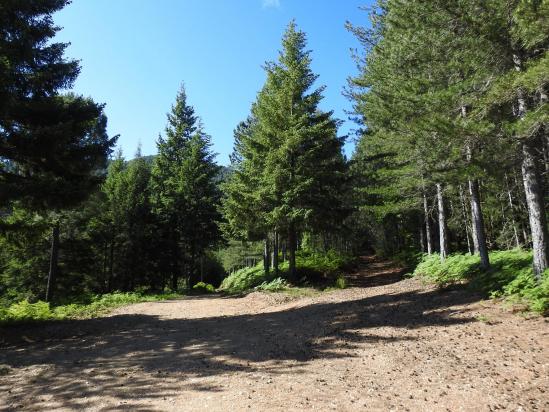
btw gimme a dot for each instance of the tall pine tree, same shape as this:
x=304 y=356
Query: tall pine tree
x=184 y=193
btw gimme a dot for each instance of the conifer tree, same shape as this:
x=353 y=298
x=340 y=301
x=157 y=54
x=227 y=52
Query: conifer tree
x=184 y=194
x=50 y=145
x=292 y=173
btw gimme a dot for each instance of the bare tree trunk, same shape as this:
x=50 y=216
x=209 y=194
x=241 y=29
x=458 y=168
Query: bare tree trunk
x=512 y=207
x=54 y=260
x=427 y=224
x=442 y=224
x=275 y=252
x=536 y=211
x=534 y=192
x=422 y=243
x=477 y=220
x=292 y=245
x=266 y=256
x=465 y=219
x=478 y=225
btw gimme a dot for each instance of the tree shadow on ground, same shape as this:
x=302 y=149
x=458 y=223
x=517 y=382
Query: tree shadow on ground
x=124 y=356
x=374 y=271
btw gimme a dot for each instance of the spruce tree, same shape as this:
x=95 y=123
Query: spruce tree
x=184 y=193
x=291 y=171
x=50 y=145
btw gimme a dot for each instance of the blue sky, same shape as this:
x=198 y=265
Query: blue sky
x=136 y=53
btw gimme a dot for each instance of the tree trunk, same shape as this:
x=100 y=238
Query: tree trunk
x=512 y=207
x=54 y=260
x=443 y=236
x=479 y=236
x=275 y=253
x=111 y=265
x=175 y=279
x=202 y=268
x=533 y=191
x=465 y=219
x=427 y=225
x=292 y=245
x=536 y=211
x=422 y=243
x=104 y=279
x=266 y=256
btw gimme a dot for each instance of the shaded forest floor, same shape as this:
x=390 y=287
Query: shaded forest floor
x=384 y=343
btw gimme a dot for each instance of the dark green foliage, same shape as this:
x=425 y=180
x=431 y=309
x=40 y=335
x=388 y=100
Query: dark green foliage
x=51 y=146
x=238 y=254
x=185 y=194
x=452 y=94
x=289 y=173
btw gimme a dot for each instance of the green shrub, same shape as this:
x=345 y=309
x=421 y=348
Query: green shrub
x=327 y=264
x=29 y=311
x=24 y=311
x=407 y=258
x=244 y=279
x=203 y=288
x=274 y=285
x=510 y=277
x=341 y=282
x=310 y=265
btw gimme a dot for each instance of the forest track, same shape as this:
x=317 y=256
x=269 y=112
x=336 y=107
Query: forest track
x=386 y=343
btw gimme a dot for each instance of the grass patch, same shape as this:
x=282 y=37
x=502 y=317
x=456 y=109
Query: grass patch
x=511 y=276
x=25 y=311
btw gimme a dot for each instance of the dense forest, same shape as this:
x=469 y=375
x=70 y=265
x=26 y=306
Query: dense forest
x=451 y=162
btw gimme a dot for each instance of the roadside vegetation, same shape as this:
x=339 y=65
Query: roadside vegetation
x=511 y=276
x=87 y=307
x=317 y=270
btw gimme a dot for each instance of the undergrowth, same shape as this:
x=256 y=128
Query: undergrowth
x=203 y=288
x=25 y=311
x=511 y=276
x=312 y=268
x=275 y=285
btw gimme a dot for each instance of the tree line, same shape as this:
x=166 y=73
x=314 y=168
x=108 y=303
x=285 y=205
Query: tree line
x=452 y=155
x=454 y=151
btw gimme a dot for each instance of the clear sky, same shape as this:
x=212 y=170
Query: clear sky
x=135 y=53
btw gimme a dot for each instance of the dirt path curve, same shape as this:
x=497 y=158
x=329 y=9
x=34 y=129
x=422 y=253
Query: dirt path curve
x=383 y=344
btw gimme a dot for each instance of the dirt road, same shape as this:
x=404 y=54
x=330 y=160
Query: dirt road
x=386 y=343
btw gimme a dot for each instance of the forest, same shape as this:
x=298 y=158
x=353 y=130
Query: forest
x=451 y=159
x=388 y=278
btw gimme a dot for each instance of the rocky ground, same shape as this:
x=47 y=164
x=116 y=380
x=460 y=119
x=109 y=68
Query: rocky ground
x=385 y=343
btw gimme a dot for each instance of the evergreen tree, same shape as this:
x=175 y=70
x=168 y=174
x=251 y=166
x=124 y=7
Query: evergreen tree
x=184 y=192
x=114 y=188
x=50 y=145
x=139 y=223
x=292 y=171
